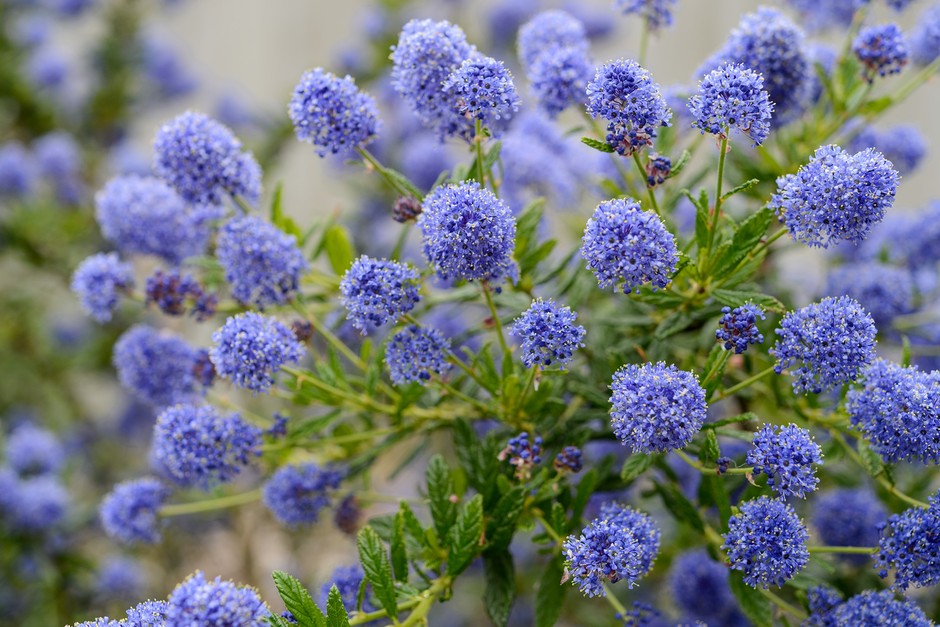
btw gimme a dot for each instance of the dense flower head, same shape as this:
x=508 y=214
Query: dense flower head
x=568 y=460
x=903 y=145
x=331 y=113
x=296 y=494
x=32 y=450
x=482 y=89
x=548 y=333
x=147 y=614
x=523 y=453
x=786 y=455
x=658 y=169
x=621 y=543
x=174 y=293
x=203 y=160
x=908 y=545
x=624 y=94
x=627 y=247
x=876 y=608
x=881 y=50
x=163 y=68
x=657 y=13
x=426 y=54
x=415 y=353
x=549 y=31
x=347 y=580
x=130 y=512
x=118 y=577
x=848 y=517
x=897 y=409
x=376 y=292
x=701 y=590
x=817 y=16
x=103 y=621
x=142 y=215
x=768 y=43
x=732 y=97
x=48 y=69
x=198 y=601
x=924 y=38
x=251 y=347
x=197 y=446
x=884 y=291
x=157 y=367
x=825 y=344
x=737 y=328
x=17 y=171
x=57 y=155
x=468 y=233
x=655 y=407
x=559 y=78
x=262 y=263
x=99 y=282
x=33 y=504
x=836 y=196
x=766 y=541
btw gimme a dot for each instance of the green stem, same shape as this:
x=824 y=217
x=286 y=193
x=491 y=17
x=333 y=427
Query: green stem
x=617 y=159
x=751 y=255
x=423 y=602
x=705 y=470
x=743 y=384
x=644 y=43
x=887 y=485
x=328 y=335
x=919 y=79
x=613 y=600
x=242 y=203
x=789 y=608
x=643 y=177
x=713 y=227
x=549 y=530
x=209 y=505
x=496 y=323
x=365 y=403
x=464 y=397
x=857 y=550
x=378 y=167
x=478 y=139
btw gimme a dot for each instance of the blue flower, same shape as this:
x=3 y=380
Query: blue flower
x=523 y=454
x=766 y=541
x=296 y=494
x=879 y=608
x=817 y=16
x=700 y=589
x=548 y=333
x=347 y=580
x=657 y=13
x=903 y=145
x=251 y=347
x=559 y=79
x=482 y=89
x=897 y=409
x=99 y=282
x=31 y=450
x=174 y=293
x=881 y=50
x=924 y=38
x=33 y=504
x=468 y=233
x=619 y=544
x=118 y=578
x=198 y=601
x=331 y=113
x=130 y=513
x=908 y=545
x=547 y=33
x=624 y=94
x=415 y=353
x=848 y=517
x=836 y=196
x=262 y=264
x=825 y=344
x=142 y=215
x=627 y=247
x=163 y=69
x=147 y=614
x=17 y=171
x=58 y=156
x=203 y=160
x=655 y=407
x=884 y=291
x=732 y=97
x=786 y=455
x=199 y=447
x=376 y=292
x=737 y=328
x=568 y=460
x=658 y=169
x=158 y=368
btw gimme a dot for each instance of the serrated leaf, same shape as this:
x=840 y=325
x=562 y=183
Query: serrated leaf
x=737 y=189
x=464 y=538
x=746 y=237
x=676 y=322
x=701 y=226
x=440 y=491
x=681 y=508
x=377 y=568
x=500 y=586
x=596 y=145
x=402 y=182
x=413 y=527
x=339 y=249
x=736 y=298
x=336 y=615
x=636 y=465
x=679 y=165
x=872 y=460
x=398 y=548
x=297 y=600
x=502 y=522
x=710 y=451
x=276 y=621
x=492 y=155
x=551 y=593
x=876 y=106
x=754 y=605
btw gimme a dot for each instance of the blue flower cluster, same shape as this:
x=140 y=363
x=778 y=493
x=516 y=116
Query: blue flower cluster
x=130 y=513
x=881 y=50
x=867 y=608
x=848 y=517
x=251 y=347
x=32 y=501
x=415 y=353
x=157 y=367
x=924 y=38
x=17 y=171
x=99 y=281
x=202 y=160
x=903 y=145
x=468 y=233
x=59 y=161
x=198 y=601
x=553 y=49
x=825 y=344
x=732 y=97
x=624 y=94
x=262 y=264
x=146 y=614
x=737 y=328
x=548 y=31
x=174 y=293
x=568 y=460
x=786 y=455
x=524 y=454
x=623 y=243
x=884 y=291
x=196 y=446
x=655 y=407
x=296 y=494
x=657 y=13
x=897 y=409
x=836 y=196
x=482 y=89
x=658 y=169
x=376 y=292
x=701 y=590
x=908 y=545
x=31 y=450
x=549 y=334
x=817 y=16
x=331 y=113
x=766 y=541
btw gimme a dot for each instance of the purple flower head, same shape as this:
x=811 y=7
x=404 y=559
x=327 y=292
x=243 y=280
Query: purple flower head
x=198 y=601
x=658 y=169
x=376 y=292
x=130 y=513
x=766 y=541
x=732 y=98
x=817 y=16
x=881 y=50
x=415 y=353
x=147 y=614
x=848 y=517
x=296 y=494
x=547 y=33
x=157 y=367
x=884 y=291
x=482 y=89
x=251 y=347
x=175 y=293
x=657 y=13
x=17 y=171
x=737 y=328
x=701 y=590
x=786 y=455
x=568 y=460
x=924 y=38
x=523 y=454
x=903 y=145
x=163 y=68
x=31 y=450
x=548 y=333
x=99 y=282
x=33 y=504
x=908 y=545
x=878 y=608
x=559 y=79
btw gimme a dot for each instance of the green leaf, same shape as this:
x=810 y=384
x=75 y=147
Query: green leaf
x=596 y=145
x=440 y=492
x=464 y=538
x=636 y=465
x=581 y=497
x=398 y=548
x=746 y=237
x=377 y=568
x=873 y=107
x=681 y=508
x=297 y=600
x=500 y=586
x=679 y=165
x=754 y=605
x=413 y=526
x=736 y=298
x=339 y=249
x=743 y=187
x=872 y=460
x=276 y=621
x=905 y=351
x=551 y=593
x=502 y=522
x=710 y=451
x=747 y=416
x=676 y=322
x=718 y=493
x=336 y=615
x=402 y=181
x=701 y=226
x=492 y=155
